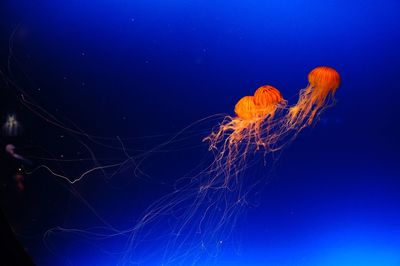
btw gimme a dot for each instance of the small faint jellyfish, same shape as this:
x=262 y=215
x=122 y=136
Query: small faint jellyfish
x=11 y=127
x=19 y=179
x=11 y=151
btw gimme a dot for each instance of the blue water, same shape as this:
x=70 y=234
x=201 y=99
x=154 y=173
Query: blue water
x=136 y=69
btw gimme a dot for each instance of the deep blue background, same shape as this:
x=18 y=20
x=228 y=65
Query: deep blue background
x=140 y=68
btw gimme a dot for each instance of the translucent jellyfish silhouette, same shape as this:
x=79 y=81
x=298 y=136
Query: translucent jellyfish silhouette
x=323 y=83
x=10 y=150
x=19 y=179
x=11 y=127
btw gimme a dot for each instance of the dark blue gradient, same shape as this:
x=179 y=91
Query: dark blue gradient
x=145 y=68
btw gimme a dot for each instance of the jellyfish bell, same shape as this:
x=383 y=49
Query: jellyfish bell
x=267 y=95
x=324 y=76
x=11 y=127
x=267 y=99
x=245 y=108
x=323 y=82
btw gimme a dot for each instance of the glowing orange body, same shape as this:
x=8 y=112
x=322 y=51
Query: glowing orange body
x=324 y=77
x=246 y=108
x=267 y=98
x=323 y=82
x=251 y=126
x=267 y=95
x=263 y=121
x=264 y=102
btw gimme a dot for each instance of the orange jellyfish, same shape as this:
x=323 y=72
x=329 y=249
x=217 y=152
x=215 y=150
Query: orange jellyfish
x=249 y=129
x=323 y=83
x=209 y=204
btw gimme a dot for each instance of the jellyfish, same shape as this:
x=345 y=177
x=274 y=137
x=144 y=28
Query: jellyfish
x=11 y=127
x=323 y=83
x=19 y=179
x=206 y=205
x=251 y=129
x=10 y=150
x=200 y=212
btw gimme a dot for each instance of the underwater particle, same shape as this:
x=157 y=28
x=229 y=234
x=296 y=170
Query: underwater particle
x=323 y=83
